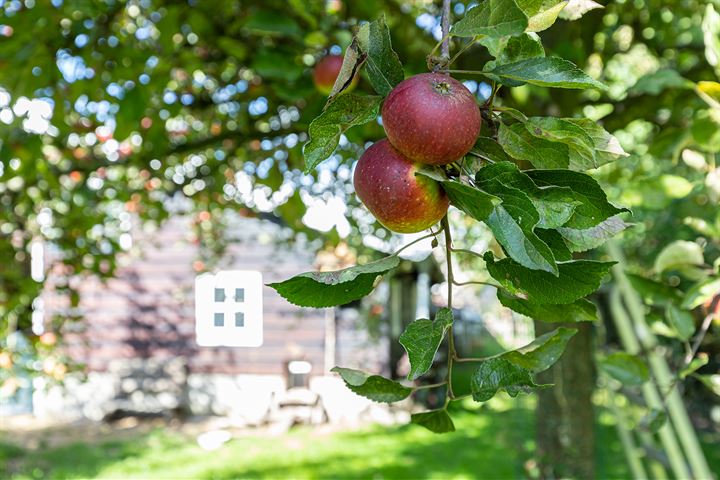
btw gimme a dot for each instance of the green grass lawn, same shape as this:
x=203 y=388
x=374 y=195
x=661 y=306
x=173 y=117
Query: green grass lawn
x=493 y=442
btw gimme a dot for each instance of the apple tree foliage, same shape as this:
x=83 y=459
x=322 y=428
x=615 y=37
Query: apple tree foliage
x=115 y=112
x=526 y=180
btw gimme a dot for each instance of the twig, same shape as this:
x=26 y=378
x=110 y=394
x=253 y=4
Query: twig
x=450 y=280
x=425 y=237
x=476 y=282
x=445 y=24
x=432 y=385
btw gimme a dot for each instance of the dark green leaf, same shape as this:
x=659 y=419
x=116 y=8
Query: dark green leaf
x=374 y=387
x=681 y=321
x=325 y=131
x=492 y=18
x=437 y=421
x=581 y=240
x=474 y=202
x=327 y=289
x=556 y=243
x=513 y=221
x=546 y=72
x=267 y=22
x=275 y=65
x=576 y=279
x=652 y=292
x=593 y=208
x=579 y=311
x=555 y=205
x=498 y=374
x=488 y=149
x=626 y=368
x=519 y=143
x=422 y=338
x=382 y=64
x=543 y=352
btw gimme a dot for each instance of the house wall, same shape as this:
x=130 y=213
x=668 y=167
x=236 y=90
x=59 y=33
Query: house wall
x=141 y=322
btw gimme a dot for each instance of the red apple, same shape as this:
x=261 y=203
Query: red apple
x=431 y=118
x=326 y=71
x=386 y=183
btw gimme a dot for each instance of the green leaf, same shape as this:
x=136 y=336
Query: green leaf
x=681 y=321
x=519 y=48
x=437 y=421
x=267 y=22
x=488 y=149
x=519 y=143
x=274 y=65
x=422 y=338
x=327 y=289
x=579 y=311
x=580 y=145
x=576 y=279
x=492 y=18
x=543 y=352
x=546 y=72
x=555 y=205
x=679 y=254
x=541 y=13
x=382 y=64
x=593 y=207
x=353 y=60
x=555 y=241
x=656 y=82
x=325 y=131
x=626 y=368
x=695 y=364
x=577 y=8
x=652 y=292
x=607 y=147
x=712 y=382
x=581 y=240
x=513 y=221
x=498 y=374
x=374 y=387
x=474 y=202
x=701 y=292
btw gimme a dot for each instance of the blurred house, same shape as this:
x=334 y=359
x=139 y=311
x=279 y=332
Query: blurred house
x=137 y=339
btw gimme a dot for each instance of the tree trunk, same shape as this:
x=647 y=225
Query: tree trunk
x=565 y=415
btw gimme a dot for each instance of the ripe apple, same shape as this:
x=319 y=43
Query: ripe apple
x=386 y=183
x=431 y=118
x=326 y=71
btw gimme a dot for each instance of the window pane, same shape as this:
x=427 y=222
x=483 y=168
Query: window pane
x=219 y=295
x=239 y=294
x=239 y=319
x=219 y=319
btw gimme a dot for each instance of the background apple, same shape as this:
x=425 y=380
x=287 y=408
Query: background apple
x=386 y=183
x=326 y=71
x=431 y=118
